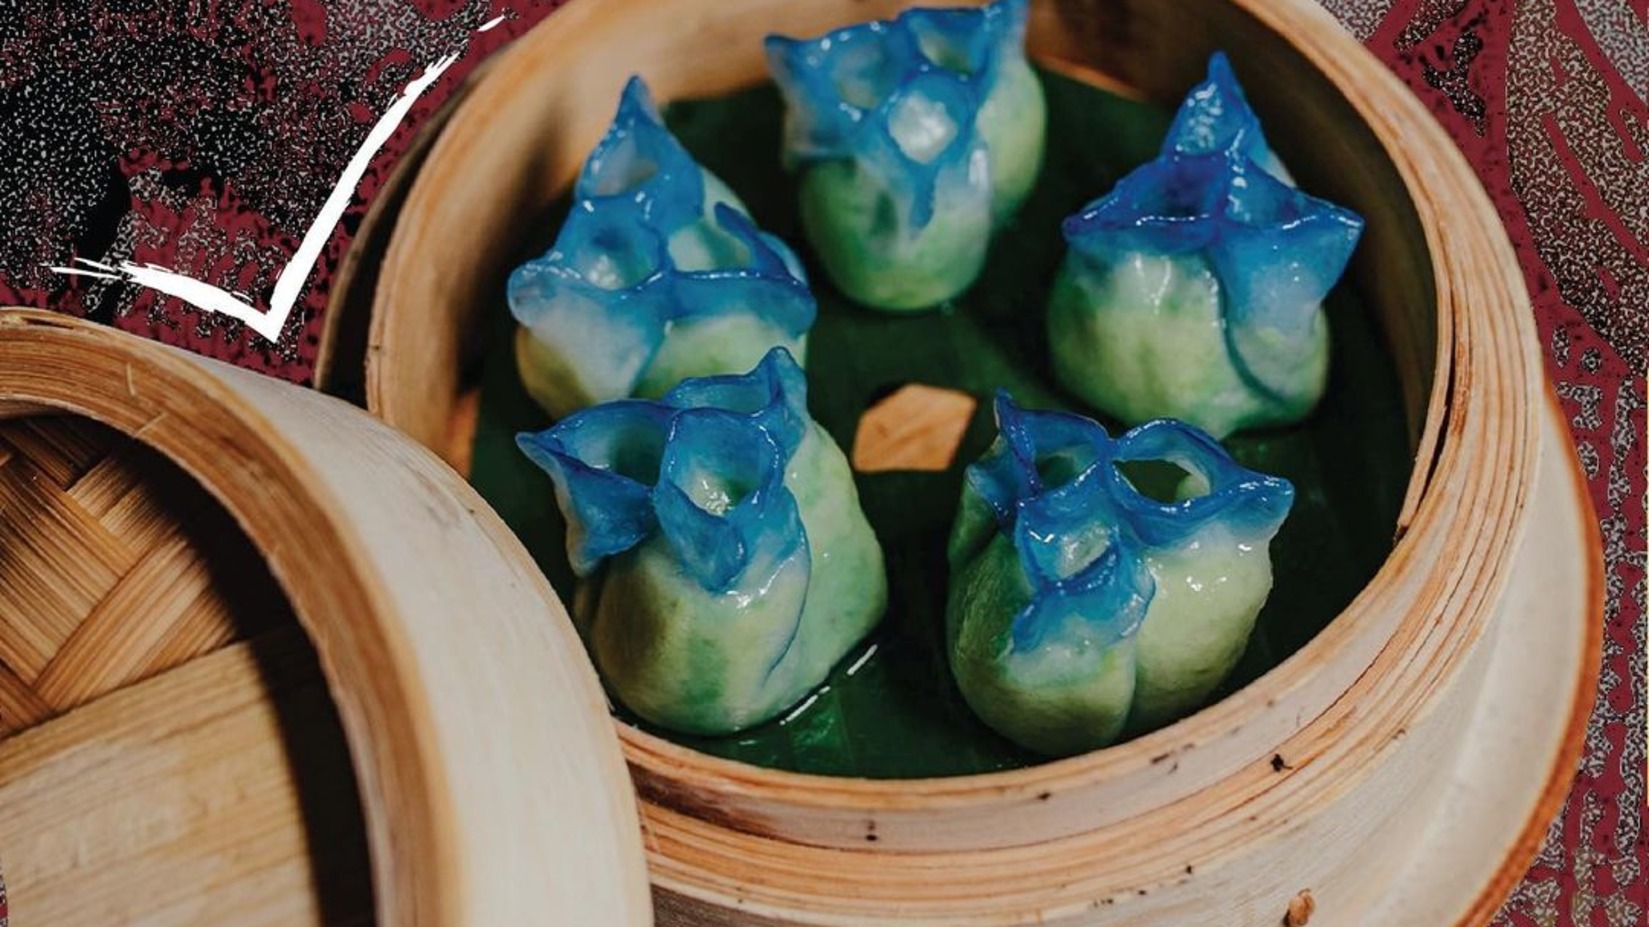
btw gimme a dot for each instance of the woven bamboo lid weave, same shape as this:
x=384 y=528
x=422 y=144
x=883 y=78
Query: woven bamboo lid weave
x=169 y=724
x=111 y=569
x=139 y=627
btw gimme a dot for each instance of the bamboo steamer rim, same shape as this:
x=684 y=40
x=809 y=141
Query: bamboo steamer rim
x=698 y=863
x=1566 y=764
x=443 y=851
x=1481 y=406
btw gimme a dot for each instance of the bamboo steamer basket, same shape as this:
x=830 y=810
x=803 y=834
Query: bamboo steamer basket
x=171 y=754
x=1223 y=817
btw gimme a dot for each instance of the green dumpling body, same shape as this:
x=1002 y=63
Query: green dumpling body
x=1066 y=699
x=913 y=139
x=666 y=649
x=1080 y=611
x=1144 y=336
x=725 y=563
x=875 y=255
x=848 y=593
x=1194 y=289
x=1014 y=125
x=704 y=662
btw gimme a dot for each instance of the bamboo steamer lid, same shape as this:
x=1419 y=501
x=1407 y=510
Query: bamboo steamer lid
x=168 y=750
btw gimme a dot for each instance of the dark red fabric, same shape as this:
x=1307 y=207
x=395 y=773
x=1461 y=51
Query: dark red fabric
x=147 y=131
x=1541 y=99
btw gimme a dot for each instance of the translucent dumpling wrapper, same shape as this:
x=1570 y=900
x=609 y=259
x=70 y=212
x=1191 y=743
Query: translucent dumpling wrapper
x=1194 y=289
x=913 y=137
x=1082 y=609
x=1215 y=118
x=657 y=275
x=724 y=563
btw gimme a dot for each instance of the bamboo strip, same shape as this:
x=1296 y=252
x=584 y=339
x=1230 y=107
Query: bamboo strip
x=205 y=625
x=105 y=485
x=174 y=802
x=63 y=449
x=39 y=538
x=107 y=567
x=166 y=583
x=20 y=705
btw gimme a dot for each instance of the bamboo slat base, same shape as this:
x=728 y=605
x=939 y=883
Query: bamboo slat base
x=217 y=793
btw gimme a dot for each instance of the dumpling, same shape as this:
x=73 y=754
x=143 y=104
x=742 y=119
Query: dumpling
x=657 y=275
x=913 y=138
x=724 y=563
x=1081 y=609
x=1194 y=289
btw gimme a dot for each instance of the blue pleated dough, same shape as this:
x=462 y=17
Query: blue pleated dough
x=913 y=139
x=1080 y=609
x=1194 y=288
x=658 y=274
x=724 y=563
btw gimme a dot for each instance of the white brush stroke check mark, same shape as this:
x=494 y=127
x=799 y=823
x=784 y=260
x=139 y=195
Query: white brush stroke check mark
x=290 y=283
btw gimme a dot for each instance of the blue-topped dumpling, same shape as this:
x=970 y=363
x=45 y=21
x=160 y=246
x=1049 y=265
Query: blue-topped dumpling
x=724 y=563
x=658 y=275
x=913 y=137
x=1082 y=609
x=1194 y=289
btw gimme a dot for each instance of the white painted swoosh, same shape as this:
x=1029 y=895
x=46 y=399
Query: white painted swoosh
x=290 y=283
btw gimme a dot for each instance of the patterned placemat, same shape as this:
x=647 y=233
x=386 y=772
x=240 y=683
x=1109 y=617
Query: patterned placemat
x=136 y=130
